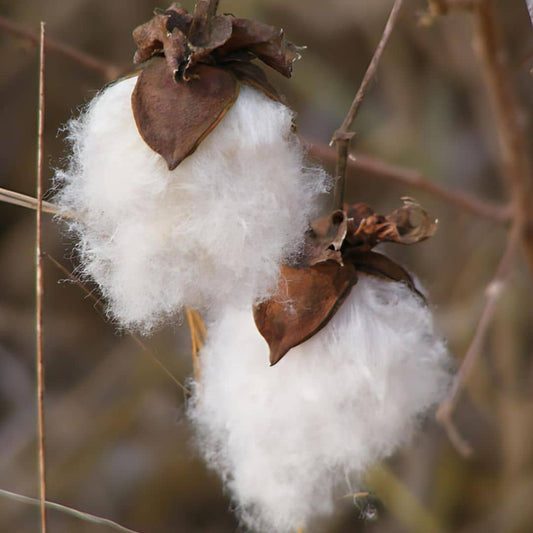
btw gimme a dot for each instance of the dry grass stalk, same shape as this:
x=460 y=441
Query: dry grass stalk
x=198 y=335
x=39 y=286
x=23 y=200
x=67 y=510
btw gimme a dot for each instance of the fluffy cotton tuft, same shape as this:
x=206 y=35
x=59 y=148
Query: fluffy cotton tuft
x=213 y=230
x=284 y=438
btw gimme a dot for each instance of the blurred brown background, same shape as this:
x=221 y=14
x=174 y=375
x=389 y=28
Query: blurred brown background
x=118 y=442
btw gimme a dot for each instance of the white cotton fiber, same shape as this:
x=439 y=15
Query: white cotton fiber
x=284 y=438
x=213 y=230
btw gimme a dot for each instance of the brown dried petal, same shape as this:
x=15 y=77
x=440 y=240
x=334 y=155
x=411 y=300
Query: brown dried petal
x=305 y=302
x=173 y=117
x=411 y=222
x=165 y=32
x=264 y=41
x=324 y=239
x=407 y=225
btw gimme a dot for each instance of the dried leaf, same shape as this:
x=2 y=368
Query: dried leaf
x=174 y=116
x=412 y=223
x=407 y=225
x=304 y=303
x=363 y=224
x=266 y=42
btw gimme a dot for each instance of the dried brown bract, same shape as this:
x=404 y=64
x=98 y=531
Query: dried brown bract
x=337 y=247
x=193 y=65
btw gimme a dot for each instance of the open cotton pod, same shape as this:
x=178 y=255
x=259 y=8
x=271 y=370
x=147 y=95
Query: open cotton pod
x=187 y=183
x=357 y=364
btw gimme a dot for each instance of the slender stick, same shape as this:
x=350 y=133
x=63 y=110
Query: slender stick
x=67 y=510
x=343 y=136
x=109 y=70
x=39 y=287
x=510 y=118
x=493 y=293
x=413 y=178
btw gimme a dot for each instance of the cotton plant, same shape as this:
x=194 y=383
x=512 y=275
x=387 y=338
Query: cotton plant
x=187 y=180
x=188 y=186
x=330 y=375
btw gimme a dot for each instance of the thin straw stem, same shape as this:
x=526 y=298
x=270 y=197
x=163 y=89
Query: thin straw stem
x=39 y=287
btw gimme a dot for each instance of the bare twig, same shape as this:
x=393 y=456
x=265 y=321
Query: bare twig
x=67 y=510
x=493 y=293
x=39 y=288
x=109 y=71
x=413 y=178
x=517 y=171
x=510 y=119
x=343 y=135
x=99 y=304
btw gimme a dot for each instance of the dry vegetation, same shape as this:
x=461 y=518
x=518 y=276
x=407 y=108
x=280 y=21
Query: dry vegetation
x=447 y=123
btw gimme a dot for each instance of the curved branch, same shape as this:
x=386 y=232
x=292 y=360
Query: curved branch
x=413 y=178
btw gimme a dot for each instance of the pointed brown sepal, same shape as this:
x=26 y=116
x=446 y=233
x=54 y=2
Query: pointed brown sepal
x=174 y=116
x=381 y=266
x=252 y=75
x=266 y=42
x=304 y=303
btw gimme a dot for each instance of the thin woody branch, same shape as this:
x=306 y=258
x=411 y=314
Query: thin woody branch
x=517 y=171
x=493 y=293
x=517 y=168
x=415 y=179
x=343 y=135
x=365 y=163
x=108 y=70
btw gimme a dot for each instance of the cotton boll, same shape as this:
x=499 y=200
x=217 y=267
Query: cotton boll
x=284 y=437
x=213 y=230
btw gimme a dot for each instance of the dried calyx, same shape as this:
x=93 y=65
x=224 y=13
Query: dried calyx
x=337 y=247
x=192 y=67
